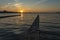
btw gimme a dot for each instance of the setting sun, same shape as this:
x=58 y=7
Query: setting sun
x=21 y=10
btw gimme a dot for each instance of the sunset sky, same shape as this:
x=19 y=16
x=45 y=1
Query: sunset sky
x=30 y=5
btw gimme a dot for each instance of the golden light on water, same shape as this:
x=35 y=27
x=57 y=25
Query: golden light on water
x=21 y=11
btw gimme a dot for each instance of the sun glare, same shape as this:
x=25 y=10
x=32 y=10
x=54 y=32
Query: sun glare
x=21 y=11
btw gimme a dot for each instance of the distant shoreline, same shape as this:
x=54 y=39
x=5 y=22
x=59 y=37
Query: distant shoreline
x=31 y=12
x=9 y=12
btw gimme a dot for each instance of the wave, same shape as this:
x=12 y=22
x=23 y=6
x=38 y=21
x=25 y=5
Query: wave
x=51 y=26
x=7 y=35
x=50 y=22
x=49 y=35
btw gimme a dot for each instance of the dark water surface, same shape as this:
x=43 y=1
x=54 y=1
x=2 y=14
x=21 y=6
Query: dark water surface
x=49 y=24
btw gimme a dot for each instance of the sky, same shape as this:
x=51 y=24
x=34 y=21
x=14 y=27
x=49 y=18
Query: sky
x=30 y=5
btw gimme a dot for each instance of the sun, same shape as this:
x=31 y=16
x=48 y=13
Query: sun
x=21 y=11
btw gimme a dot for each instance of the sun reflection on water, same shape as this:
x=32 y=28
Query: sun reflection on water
x=22 y=16
x=21 y=11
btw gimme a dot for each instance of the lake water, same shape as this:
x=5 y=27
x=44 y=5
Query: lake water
x=48 y=22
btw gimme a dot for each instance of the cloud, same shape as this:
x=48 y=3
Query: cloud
x=13 y=5
x=16 y=0
x=41 y=1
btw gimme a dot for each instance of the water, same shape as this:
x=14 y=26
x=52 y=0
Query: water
x=22 y=22
x=48 y=22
